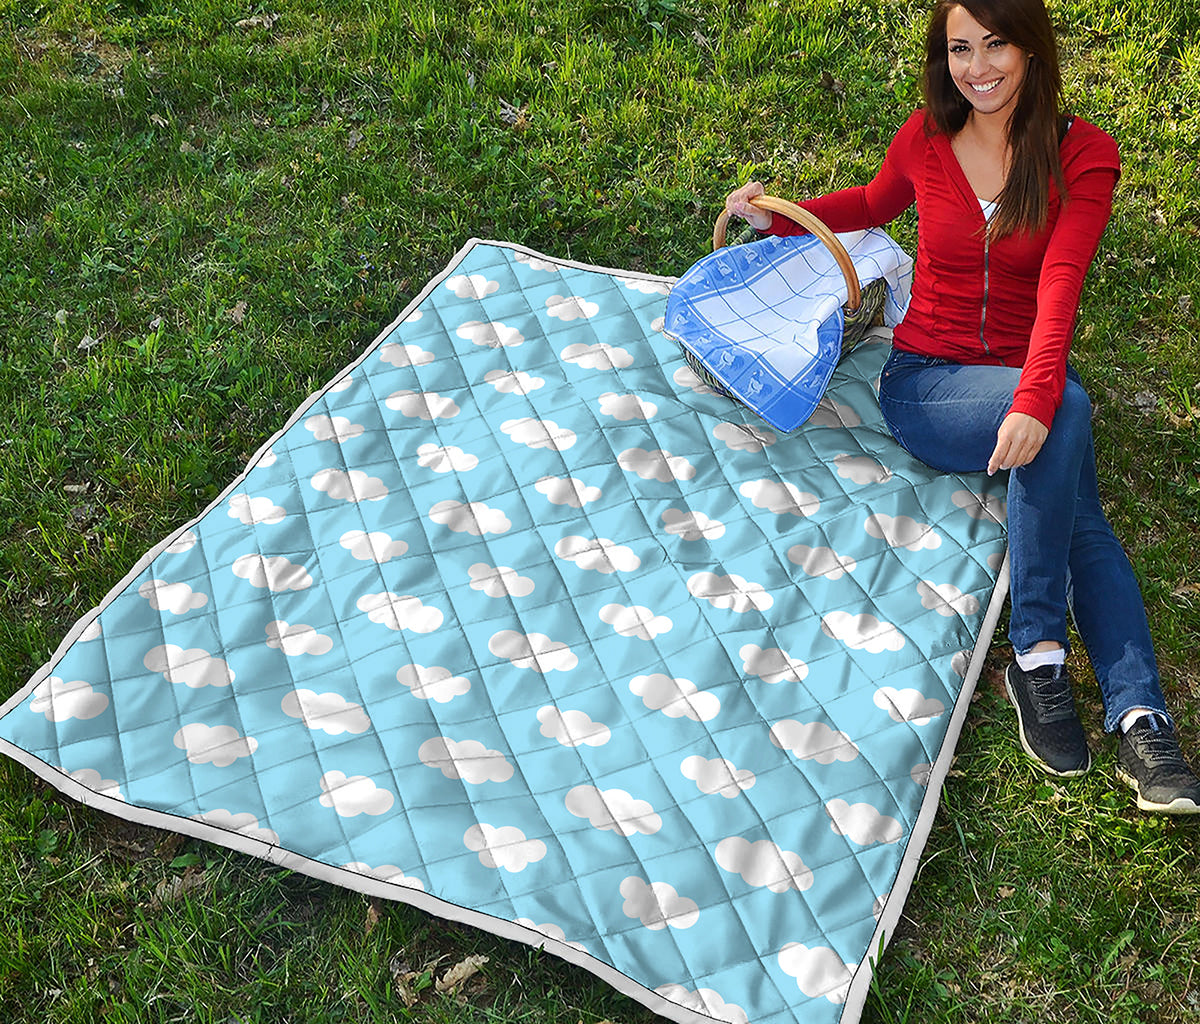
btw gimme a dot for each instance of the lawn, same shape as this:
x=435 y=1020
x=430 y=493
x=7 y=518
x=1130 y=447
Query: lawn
x=207 y=209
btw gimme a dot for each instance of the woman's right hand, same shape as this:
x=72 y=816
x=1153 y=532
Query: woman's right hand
x=737 y=204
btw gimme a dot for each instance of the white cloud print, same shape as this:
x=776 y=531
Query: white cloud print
x=255 y=511
x=331 y=713
x=218 y=745
x=861 y=469
x=707 y=1001
x=635 y=621
x=772 y=664
x=657 y=464
x=692 y=525
x=780 y=497
x=184 y=542
x=821 y=561
x=352 y=795
x=404 y=355
x=513 y=382
x=717 y=776
x=613 y=810
x=626 y=407
x=193 y=667
x=829 y=413
x=946 y=599
x=568 y=490
x=91 y=779
x=349 y=485
x=176 y=598
x=375 y=546
x=445 y=458
x=732 y=592
x=598 y=554
x=535 y=433
x=571 y=307
x=385 y=873
x=296 y=639
x=468 y=760
x=863 y=823
x=657 y=904
x=422 y=405
x=275 y=572
x=818 y=971
x=436 y=682
x=902 y=532
x=243 y=823
x=987 y=507
x=399 y=612
x=490 y=334
x=504 y=847
x=764 y=864
x=472 y=286
x=742 y=437
x=473 y=517
x=534 y=651
x=908 y=705
x=499 y=580
x=60 y=701
x=862 y=632
x=813 y=741
x=675 y=697
x=534 y=263
x=550 y=930
x=637 y=284
x=686 y=377
x=597 y=356
x=333 y=428
x=572 y=728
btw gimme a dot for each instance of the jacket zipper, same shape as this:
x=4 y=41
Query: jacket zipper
x=983 y=308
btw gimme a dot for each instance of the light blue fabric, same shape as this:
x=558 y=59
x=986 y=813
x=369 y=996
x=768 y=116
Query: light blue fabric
x=518 y=616
x=765 y=319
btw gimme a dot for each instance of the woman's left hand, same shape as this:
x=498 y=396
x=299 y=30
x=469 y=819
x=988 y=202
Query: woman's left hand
x=1018 y=441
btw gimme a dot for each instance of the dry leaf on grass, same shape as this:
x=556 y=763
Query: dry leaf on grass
x=238 y=313
x=460 y=972
x=373 y=915
x=257 y=21
x=405 y=979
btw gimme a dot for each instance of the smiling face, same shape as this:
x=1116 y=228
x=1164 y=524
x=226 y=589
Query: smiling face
x=987 y=69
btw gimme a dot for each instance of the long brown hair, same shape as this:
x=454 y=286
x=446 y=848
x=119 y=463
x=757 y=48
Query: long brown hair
x=1036 y=123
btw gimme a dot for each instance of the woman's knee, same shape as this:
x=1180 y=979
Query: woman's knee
x=1072 y=423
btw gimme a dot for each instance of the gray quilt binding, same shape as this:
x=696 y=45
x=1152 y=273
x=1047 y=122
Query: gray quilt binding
x=861 y=981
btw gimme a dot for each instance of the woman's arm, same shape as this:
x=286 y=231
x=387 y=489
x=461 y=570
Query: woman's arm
x=887 y=195
x=1072 y=247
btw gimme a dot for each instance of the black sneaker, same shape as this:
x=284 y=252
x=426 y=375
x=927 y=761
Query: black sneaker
x=1050 y=730
x=1149 y=760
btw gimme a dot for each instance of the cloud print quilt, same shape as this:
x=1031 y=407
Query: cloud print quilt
x=517 y=622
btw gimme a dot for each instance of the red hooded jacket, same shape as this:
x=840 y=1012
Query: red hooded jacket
x=1010 y=301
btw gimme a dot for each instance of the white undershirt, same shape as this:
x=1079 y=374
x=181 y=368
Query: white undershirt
x=988 y=206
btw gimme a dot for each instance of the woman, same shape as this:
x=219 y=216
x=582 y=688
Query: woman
x=1012 y=198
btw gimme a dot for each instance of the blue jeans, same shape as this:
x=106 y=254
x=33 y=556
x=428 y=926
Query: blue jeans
x=1062 y=550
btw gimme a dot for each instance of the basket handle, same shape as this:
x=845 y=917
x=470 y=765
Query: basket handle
x=806 y=220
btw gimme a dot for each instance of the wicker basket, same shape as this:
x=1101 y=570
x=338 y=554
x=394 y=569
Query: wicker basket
x=863 y=308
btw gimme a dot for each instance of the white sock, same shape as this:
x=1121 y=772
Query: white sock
x=1130 y=717
x=1028 y=662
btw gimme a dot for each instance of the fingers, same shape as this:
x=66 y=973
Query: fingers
x=1018 y=441
x=737 y=203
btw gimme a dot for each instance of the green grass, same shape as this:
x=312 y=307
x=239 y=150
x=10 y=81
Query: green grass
x=200 y=224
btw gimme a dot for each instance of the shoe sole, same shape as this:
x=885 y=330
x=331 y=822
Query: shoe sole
x=1180 y=805
x=1072 y=773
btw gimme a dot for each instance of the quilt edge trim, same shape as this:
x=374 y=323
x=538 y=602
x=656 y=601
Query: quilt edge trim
x=277 y=855
x=860 y=984
x=352 y=880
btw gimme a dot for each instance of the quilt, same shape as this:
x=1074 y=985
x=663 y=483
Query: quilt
x=519 y=623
